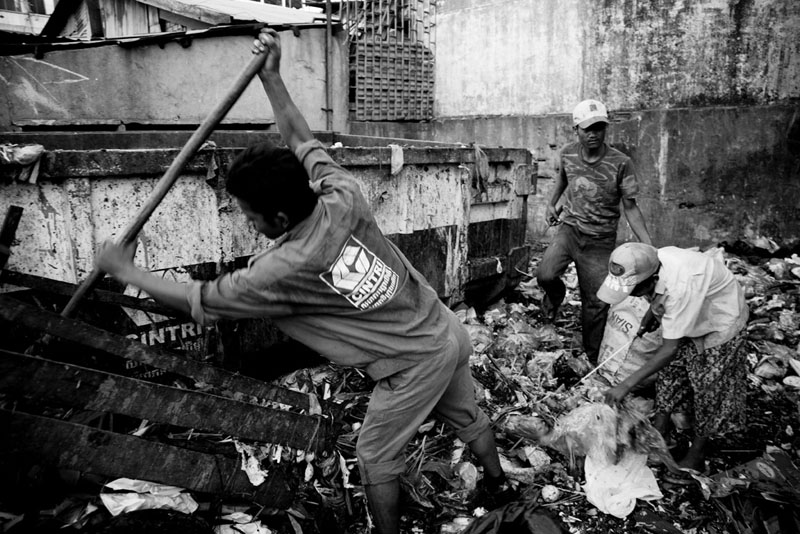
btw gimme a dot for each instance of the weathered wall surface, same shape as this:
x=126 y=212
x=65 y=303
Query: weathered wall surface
x=516 y=57
x=171 y=85
x=703 y=96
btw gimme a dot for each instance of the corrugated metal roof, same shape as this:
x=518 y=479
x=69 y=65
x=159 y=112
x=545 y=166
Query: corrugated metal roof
x=245 y=10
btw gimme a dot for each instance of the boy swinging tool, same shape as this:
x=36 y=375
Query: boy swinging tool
x=173 y=172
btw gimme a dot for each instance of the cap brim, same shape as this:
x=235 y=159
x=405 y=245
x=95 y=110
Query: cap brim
x=612 y=292
x=592 y=120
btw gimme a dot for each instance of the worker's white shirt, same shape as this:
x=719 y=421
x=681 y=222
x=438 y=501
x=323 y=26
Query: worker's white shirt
x=698 y=297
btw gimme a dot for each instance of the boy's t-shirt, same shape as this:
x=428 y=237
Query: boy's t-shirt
x=594 y=190
x=336 y=284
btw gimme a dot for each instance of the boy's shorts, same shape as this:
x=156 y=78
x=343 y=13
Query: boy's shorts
x=402 y=402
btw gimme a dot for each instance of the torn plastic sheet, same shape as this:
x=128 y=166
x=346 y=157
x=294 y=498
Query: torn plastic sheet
x=143 y=495
x=27 y=157
x=614 y=488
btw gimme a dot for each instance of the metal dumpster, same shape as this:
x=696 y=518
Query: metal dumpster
x=457 y=212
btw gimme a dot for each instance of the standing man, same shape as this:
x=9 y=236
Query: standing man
x=335 y=283
x=701 y=365
x=596 y=179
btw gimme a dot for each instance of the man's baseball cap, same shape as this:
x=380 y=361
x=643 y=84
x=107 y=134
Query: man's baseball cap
x=589 y=112
x=629 y=264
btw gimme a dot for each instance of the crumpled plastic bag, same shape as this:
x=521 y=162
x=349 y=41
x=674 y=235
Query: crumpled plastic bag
x=143 y=495
x=27 y=157
x=467 y=475
x=616 y=444
x=614 y=488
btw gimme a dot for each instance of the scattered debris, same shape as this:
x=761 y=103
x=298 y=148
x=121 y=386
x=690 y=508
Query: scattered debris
x=554 y=436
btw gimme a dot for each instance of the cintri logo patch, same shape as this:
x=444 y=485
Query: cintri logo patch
x=360 y=276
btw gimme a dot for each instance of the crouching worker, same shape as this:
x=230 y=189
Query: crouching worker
x=335 y=283
x=701 y=365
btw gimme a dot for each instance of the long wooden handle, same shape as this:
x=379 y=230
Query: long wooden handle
x=173 y=172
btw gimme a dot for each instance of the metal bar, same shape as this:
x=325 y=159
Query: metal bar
x=417 y=59
x=328 y=66
x=381 y=58
x=396 y=84
x=403 y=100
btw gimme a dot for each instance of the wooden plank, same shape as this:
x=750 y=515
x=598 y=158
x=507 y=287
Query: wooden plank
x=8 y=232
x=196 y=12
x=58 y=287
x=51 y=323
x=25 y=437
x=44 y=381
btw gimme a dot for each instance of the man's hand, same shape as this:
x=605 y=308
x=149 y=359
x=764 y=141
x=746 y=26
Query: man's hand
x=552 y=215
x=115 y=259
x=268 y=43
x=649 y=323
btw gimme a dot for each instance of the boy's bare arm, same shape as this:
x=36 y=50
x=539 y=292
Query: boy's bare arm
x=291 y=123
x=117 y=260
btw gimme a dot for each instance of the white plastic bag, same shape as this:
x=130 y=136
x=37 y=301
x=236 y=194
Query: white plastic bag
x=614 y=488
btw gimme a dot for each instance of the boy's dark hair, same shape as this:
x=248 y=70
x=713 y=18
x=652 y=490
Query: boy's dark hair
x=271 y=179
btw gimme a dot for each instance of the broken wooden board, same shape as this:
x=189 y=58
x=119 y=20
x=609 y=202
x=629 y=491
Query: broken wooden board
x=29 y=438
x=41 y=381
x=53 y=324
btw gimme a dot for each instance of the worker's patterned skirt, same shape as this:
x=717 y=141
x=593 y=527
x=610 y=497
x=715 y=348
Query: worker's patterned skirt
x=708 y=386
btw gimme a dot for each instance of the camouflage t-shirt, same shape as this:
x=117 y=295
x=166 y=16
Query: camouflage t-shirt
x=595 y=190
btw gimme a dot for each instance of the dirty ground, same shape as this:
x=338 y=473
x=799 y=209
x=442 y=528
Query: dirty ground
x=522 y=368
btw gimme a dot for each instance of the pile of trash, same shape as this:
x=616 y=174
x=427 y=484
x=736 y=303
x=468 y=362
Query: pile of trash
x=579 y=465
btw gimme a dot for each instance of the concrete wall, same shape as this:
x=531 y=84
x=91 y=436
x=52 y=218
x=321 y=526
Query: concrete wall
x=172 y=85
x=703 y=95
x=516 y=57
